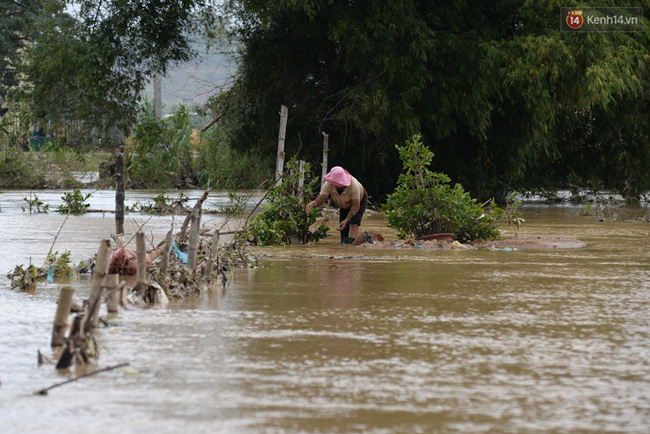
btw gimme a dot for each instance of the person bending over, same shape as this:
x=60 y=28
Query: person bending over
x=349 y=195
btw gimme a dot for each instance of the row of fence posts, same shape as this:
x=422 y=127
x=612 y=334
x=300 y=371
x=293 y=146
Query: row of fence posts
x=279 y=162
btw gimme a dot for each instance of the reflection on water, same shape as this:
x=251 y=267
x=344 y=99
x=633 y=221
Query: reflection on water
x=403 y=341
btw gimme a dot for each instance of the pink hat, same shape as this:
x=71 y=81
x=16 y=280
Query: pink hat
x=338 y=176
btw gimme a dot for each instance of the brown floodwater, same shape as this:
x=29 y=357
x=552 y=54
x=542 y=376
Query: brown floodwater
x=347 y=339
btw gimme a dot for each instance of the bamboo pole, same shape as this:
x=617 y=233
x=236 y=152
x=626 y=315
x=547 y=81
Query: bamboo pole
x=141 y=262
x=194 y=239
x=113 y=285
x=301 y=176
x=61 y=317
x=279 y=163
x=199 y=203
x=99 y=274
x=119 y=193
x=167 y=247
x=326 y=149
x=214 y=255
x=72 y=380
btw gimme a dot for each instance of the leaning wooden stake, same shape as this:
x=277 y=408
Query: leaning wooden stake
x=119 y=193
x=279 y=163
x=199 y=203
x=167 y=247
x=194 y=239
x=214 y=256
x=326 y=149
x=61 y=317
x=110 y=368
x=97 y=286
x=141 y=270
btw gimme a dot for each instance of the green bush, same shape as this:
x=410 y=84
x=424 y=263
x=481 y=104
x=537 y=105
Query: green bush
x=74 y=203
x=283 y=219
x=221 y=166
x=425 y=203
x=19 y=169
x=160 y=204
x=160 y=155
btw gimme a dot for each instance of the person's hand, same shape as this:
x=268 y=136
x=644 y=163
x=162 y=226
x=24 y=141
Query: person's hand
x=342 y=225
x=309 y=206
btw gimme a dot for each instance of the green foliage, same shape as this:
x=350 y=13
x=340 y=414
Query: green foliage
x=221 y=166
x=237 y=204
x=74 y=203
x=17 y=24
x=425 y=203
x=511 y=212
x=25 y=278
x=93 y=66
x=283 y=219
x=161 y=204
x=35 y=205
x=19 y=169
x=61 y=264
x=498 y=91
x=160 y=154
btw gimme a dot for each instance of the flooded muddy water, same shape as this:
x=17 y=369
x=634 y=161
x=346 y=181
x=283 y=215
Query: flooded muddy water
x=346 y=339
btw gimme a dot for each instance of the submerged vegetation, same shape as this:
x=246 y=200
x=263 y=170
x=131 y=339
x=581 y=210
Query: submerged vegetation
x=283 y=219
x=74 y=203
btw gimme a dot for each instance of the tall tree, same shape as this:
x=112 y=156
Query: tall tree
x=17 y=19
x=94 y=64
x=488 y=83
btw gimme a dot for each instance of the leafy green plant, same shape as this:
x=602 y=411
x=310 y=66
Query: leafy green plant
x=511 y=212
x=161 y=204
x=61 y=264
x=236 y=204
x=35 y=205
x=74 y=203
x=25 y=278
x=425 y=203
x=160 y=153
x=19 y=169
x=283 y=219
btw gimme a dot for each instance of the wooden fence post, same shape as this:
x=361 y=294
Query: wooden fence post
x=97 y=285
x=279 y=164
x=214 y=255
x=164 y=264
x=194 y=238
x=119 y=193
x=141 y=259
x=301 y=176
x=112 y=283
x=61 y=317
x=326 y=149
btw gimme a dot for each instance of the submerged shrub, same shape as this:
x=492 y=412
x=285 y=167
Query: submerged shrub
x=283 y=219
x=424 y=202
x=74 y=203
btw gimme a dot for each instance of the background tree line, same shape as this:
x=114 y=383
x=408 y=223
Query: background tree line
x=503 y=98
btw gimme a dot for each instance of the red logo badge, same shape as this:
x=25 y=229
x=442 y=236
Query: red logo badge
x=574 y=19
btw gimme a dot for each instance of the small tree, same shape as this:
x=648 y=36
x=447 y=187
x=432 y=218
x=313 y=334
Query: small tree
x=425 y=203
x=284 y=218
